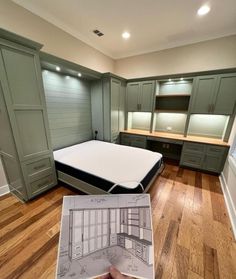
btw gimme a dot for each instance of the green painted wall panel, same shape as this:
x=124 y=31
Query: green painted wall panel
x=68 y=102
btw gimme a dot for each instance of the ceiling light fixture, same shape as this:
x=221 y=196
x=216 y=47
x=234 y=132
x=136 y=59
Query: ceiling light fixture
x=203 y=10
x=58 y=68
x=79 y=75
x=125 y=35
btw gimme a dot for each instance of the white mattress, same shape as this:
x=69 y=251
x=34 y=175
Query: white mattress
x=119 y=164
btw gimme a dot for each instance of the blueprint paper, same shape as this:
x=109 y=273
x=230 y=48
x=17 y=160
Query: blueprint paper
x=98 y=231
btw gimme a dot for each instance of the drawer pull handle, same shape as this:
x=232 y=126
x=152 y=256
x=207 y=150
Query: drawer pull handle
x=215 y=150
x=39 y=167
x=43 y=183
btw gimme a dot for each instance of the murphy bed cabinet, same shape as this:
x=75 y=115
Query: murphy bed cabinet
x=108 y=107
x=140 y=96
x=214 y=94
x=25 y=146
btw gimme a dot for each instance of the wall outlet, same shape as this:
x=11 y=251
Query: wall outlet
x=168 y=128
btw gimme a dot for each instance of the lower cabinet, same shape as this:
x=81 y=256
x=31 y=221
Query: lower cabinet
x=134 y=140
x=140 y=248
x=204 y=156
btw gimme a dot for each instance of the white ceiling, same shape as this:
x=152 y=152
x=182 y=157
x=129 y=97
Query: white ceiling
x=153 y=24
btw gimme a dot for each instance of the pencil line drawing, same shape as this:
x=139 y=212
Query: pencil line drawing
x=99 y=231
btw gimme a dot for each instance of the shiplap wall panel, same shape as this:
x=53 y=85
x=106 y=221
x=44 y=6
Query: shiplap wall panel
x=69 y=109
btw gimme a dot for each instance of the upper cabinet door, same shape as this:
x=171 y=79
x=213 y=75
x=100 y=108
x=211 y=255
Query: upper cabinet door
x=147 y=96
x=225 y=96
x=133 y=91
x=203 y=94
x=22 y=77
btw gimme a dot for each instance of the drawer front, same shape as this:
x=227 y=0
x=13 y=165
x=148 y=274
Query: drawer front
x=192 y=160
x=193 y=147
x=113 y=240
x=38 y=166
x=42 y=183
x=121 y=241
x=139 y=250
x=215 y=150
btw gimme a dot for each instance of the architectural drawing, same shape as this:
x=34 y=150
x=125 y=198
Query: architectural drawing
x=100 y=231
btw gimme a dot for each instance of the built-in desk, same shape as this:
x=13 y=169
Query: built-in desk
x=201 y=153
x=141 y=248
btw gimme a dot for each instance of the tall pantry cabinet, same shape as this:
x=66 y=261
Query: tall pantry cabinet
x=25 y=146
x=108 y=107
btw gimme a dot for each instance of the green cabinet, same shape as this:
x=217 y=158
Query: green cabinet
x=108 y=107
x=214 y=94
x=134 y=140
x=204 y=156
x=140 y=96
x=25 y=146
x=225 y=97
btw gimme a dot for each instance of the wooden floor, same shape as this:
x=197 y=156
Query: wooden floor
x=192 y=232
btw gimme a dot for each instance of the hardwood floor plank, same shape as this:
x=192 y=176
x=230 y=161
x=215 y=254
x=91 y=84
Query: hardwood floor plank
x=29 y=261
x=164 y=267
x=29 y=222
x=11 y=218
x=14 y=246
x=197 y=201
x=196 y=246
x=181 y=263
x=46 y=262
x=224 y=241
x=211 y=268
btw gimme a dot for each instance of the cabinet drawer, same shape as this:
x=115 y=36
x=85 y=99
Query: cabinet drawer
x=192 y=160
x=42 y=183
x=193 y=147
x=215 y=150
x=38 y=166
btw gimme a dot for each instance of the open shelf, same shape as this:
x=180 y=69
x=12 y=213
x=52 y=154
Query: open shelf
x=171 y=110
x=174 y=103
x=172 y=95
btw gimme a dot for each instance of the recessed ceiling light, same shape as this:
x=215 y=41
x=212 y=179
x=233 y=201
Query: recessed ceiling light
x=126 y=35
x=205 y=9
x=79 y=75
x=58 y=68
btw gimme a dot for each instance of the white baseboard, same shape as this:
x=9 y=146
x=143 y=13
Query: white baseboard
x=229 y=203
x=4 y=190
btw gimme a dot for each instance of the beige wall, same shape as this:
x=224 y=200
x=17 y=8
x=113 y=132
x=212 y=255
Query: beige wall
x=209 y=55
x=57 y=42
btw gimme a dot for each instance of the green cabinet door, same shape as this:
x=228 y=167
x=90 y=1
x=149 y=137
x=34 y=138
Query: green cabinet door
x=225 y=96
x=133 y=92
x=115 y=96
x=203 y=94
x=212 y=163
x=146 y=99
